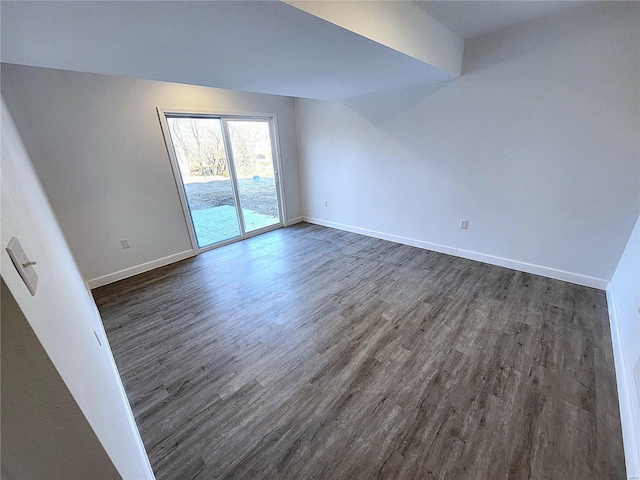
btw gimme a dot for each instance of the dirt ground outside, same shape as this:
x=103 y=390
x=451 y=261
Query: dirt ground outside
x=257 y=195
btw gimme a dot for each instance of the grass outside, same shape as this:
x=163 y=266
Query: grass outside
x=259 y=196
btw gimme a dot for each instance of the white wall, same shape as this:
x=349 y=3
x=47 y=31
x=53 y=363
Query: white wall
x=536 y=145
x=62 y=313
x=623 y=296
x=40 y=419
x=97 y=146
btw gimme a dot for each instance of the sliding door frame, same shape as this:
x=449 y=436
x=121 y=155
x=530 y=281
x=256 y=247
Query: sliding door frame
x=224 y=116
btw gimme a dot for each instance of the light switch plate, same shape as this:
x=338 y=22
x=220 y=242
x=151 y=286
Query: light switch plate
x=23 y=264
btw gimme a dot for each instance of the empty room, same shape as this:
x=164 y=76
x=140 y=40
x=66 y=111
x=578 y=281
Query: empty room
x=320 y=240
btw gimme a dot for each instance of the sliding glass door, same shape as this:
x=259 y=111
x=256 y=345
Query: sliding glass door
x=253 y=161
x=227 y=175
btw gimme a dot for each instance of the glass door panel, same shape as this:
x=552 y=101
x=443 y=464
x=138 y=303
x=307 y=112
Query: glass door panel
x=200 y=152
x=252 y=156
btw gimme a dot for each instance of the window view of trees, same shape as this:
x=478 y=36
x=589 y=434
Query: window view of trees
x=200 y=147
x=251 y=148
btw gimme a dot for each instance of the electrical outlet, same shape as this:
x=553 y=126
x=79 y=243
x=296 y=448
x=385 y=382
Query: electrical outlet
x=326 y=203
x=464 y=224
x=125 y=243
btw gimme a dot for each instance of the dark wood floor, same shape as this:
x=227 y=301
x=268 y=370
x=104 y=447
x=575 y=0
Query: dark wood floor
x=309 y=352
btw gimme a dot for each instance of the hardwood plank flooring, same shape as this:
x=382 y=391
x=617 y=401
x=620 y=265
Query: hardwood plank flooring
x=309 y=352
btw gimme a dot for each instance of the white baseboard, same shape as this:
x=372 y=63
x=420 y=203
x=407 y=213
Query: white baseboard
x=587 y=281
x=293 y=221
x=383 y=236
x=480 y=257
x=145 y=267
x=631 y=445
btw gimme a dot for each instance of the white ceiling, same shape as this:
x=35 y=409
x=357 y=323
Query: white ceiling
x=472 y=18
x=257 y=46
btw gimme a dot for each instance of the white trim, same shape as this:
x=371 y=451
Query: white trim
x=481 y=257
x=279 y=171
x=233 y=176
x=383 y=236
x=549 y=272
x=295 y=220
x=193 y=112
x=631 y=445
x=142 y=452
x=145 y=267
x=184 y=203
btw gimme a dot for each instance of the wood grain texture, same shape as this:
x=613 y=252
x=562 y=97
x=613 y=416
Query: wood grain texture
x=309 y=352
